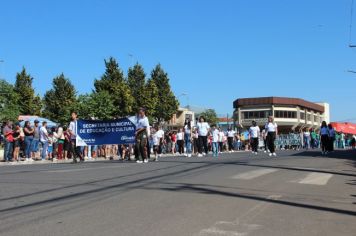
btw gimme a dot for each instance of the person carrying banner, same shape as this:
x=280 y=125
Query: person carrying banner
x=142 y=134
x=72 y=129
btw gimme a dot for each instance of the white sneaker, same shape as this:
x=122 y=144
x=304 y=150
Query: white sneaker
x=256 y=153
x=185 y=154
x=274 y=154
x=204 y=154
x=270 y=154
x=140 y=162
x=145 y=161
x=265 y=151
x=189 y=155
x=200 y=155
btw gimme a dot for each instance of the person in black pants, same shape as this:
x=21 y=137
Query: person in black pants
x=203 y=130
x=271 y=130
x=254 y=132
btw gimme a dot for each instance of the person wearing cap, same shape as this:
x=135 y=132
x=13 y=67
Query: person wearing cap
x=44 y=140
x=36 y=139
x=142 y=134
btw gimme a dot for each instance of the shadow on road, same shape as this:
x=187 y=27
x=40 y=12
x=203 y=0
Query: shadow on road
x=199 y=189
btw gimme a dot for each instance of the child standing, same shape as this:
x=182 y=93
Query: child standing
x=215 y=141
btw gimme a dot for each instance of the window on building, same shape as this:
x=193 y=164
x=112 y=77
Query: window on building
x=302 y=116
x=316 y=118
x=309 y=117
x=285 y=114
x=255 y=114
x=188 y=116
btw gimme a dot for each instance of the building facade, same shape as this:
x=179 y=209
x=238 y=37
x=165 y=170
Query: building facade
x=178 y=119
x=291 y=114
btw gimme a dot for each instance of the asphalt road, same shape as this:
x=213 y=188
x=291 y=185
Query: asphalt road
x=297 y=193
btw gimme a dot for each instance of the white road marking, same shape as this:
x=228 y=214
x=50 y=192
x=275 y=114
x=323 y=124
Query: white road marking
x=315 y=178
x=254 y=174
x=241 y=226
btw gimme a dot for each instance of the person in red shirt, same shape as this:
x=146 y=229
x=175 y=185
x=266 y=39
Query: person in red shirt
x=9 y=141
x=174 y=141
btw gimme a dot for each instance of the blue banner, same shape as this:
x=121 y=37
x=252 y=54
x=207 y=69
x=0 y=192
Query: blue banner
x=98 y=132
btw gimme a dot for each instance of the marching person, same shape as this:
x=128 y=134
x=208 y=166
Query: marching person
x=215 y=141
x=203 y=130
x=254 y=132
x=160 y=136
x=188 y=137
x=331 y=138
x=324 y=138
x=142 y=135
x=180 y=141
x=72 y=130
x=221 y=140
x=271 y=132
x=230 y=139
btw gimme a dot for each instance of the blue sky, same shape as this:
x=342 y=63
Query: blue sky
x=214 y=51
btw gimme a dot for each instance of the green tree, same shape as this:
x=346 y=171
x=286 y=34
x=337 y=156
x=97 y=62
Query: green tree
x=29 y=103
x=114 y=83
x=60 y=101
x=96 y=105
x=210 y=116
x=151 y=98
x=83 y=106
x=9 y=102
x=136 y=79
x=167 y=103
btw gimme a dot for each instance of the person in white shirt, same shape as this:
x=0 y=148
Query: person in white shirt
x=215 y=141
x=156 y=141
x=271 y=132
x=203 y=130
x=254 y=133
x=44 y=140
x=221 y=140
x=180 y=141
x=142 y=125
x=306 y=138
x=160 y=136
x=74 y=150
x=188 y=137
x=230 y=139
x=195 y=142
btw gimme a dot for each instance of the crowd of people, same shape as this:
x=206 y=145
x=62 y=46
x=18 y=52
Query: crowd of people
x=39 y=142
